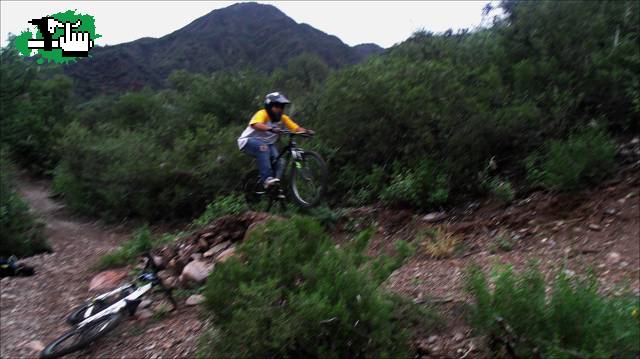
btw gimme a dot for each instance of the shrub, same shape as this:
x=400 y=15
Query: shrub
x=233 y=203
x=439 y=243
x=420 y=187
x=584 y=158
x=140 y=243
x=574 y=320
x=292 y=293
x=500 y=189
x=20 y=233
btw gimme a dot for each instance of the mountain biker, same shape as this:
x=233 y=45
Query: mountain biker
x=259 y=138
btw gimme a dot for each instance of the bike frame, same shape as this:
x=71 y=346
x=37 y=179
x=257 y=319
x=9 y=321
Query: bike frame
x=119 y=305
x=289 y=151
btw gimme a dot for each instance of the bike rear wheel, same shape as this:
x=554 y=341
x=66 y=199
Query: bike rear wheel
x=77 y=338
x=80 y=313
x=308 y=179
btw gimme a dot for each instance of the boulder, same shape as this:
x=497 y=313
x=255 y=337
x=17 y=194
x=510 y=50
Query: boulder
x=35 y=345
x=434 y=217
x=226 y=254
x=216 y=249
x=196 y=271
x=194 y=300
x=107 y=280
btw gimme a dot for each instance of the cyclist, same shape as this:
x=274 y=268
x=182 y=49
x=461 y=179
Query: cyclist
x=259 y=138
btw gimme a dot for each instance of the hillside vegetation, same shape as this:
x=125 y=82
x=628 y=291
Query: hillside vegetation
x=534 y=101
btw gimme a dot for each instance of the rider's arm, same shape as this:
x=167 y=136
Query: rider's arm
x=258 y=121
x=292 y=126
x=260 y=126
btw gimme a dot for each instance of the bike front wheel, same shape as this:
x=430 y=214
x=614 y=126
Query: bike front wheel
x=77 y=338
x=308 y=179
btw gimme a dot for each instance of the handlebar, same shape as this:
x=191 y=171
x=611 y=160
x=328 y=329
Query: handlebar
x=307 y=134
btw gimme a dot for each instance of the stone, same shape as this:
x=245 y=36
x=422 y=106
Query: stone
x=610 y=211
x=144 y=314
x=434 y=217
x=194 y=300
x=217 y=248
x=107 y=280
x=144 y=304
x=35 y=345
x=595 y=227
x=458 y=337
x=613 y=258
x=159 y=261
x=196 y=271
x=432 y=339
x=226 y=254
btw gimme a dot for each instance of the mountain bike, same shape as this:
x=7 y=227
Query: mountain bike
x=104 y=312
x=304 y=175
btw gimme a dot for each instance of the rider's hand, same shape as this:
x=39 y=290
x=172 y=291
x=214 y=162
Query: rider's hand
x=276 y=130
x=310 y=132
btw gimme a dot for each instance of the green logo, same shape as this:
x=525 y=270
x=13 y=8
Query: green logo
x=59 y=38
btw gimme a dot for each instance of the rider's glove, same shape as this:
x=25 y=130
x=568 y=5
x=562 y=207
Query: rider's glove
x=275 y=130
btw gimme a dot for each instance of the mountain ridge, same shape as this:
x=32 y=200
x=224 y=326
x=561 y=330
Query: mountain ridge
x=240 y=35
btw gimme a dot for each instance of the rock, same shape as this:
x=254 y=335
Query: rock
x=159 y=261
x=196 y=271
x=107 y=280
x=35 y=345
x=434 y=217
x=613 y=258
x=194 y=300
x=196 y=256
x=610 y=211
x=458 y=337
x=202 y=244
x=144 y=314
x=217 y=248
x=144 y=304
x=432 y=339
x=595 y=227
x=226 y=254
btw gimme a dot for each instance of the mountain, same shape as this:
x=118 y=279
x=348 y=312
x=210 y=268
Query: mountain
x=243 y=34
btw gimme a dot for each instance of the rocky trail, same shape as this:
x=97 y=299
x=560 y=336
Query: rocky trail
x=598 y=229
x=33 y=309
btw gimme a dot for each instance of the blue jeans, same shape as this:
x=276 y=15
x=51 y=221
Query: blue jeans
x=264 y=153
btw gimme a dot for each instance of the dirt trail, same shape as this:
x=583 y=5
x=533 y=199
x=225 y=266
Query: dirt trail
x=33 y=308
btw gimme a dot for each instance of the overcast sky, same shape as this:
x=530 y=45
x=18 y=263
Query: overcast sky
x=354 y=22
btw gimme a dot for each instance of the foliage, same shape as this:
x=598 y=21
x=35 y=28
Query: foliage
x=574 y=320
x=439 y=242
x=584 y=158
x=420 y=187
x=20 y=233
x=410 y=127
x=141 y=242
x=231 y=204
x=292 y=293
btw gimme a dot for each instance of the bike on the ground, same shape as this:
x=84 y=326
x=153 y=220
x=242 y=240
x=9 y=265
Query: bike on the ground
x=304 y=175
x=103 y=313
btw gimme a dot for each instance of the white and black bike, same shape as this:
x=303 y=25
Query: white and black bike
x=103 y=313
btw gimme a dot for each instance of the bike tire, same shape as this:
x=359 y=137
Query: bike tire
x=78 y=314
x=254 y=193
x=83 y=337
x=302 y=172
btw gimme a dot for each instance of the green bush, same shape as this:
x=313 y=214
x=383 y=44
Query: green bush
x=230 y=204
x=20 y=233
x=573 y=321
x=141 y=242
x=584 y=158
x=420 y=187
x=291 y=293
